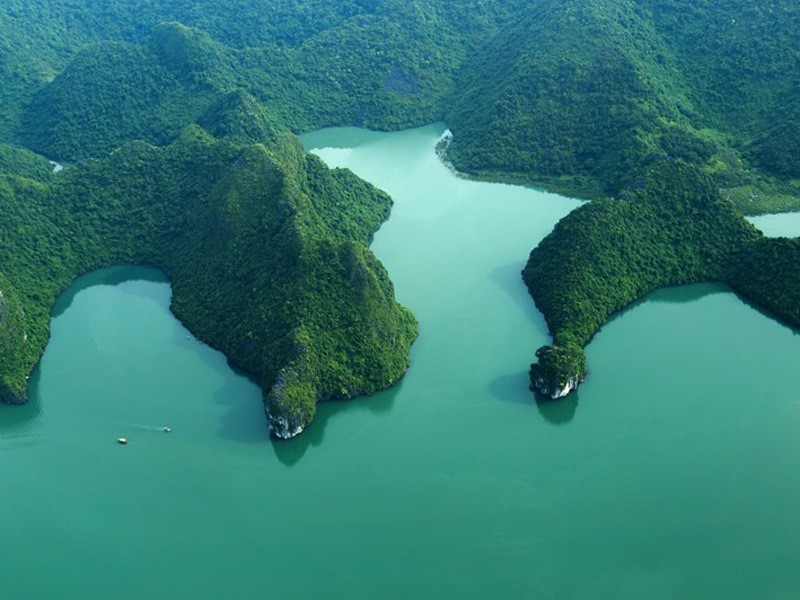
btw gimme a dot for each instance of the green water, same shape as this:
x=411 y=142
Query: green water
x=778 y=225
x=673 y=474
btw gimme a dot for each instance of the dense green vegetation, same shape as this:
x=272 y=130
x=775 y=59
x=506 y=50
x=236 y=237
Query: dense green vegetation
x=767 y=272
x=571 y=95
x=670 y=228
x=22 y=162
x=713 y=87
x=681 y=110
x=265 y=247
x=577 y=95
x=558 y=370
x=383 y=65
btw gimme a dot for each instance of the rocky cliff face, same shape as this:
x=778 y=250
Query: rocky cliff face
x=551 y=391
x=281 y=428
x=559 y=370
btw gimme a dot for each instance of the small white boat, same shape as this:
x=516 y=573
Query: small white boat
x=166 y=429
x=122 y=441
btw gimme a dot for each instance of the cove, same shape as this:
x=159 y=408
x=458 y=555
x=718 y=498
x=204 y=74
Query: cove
x=672 y=473
x=778 y=224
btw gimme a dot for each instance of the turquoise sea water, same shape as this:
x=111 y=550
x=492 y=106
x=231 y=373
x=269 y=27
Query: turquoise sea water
x=672 y=473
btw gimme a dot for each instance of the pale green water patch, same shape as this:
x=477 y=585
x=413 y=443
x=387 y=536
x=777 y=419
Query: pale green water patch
x=778 y=225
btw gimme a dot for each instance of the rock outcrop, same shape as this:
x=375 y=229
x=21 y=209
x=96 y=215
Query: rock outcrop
x=559 y=370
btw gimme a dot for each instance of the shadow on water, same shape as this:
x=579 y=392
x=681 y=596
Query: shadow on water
x=23 y=419
x=509 y=279
x=244 y=420
x=562 y=411
x=512 y=388
x=515 y=388
x=110 y=276
x=559 y=412
x=684 y=294
x=681 y=294
x=348 y=138
x=766 y=313
x=291 y=451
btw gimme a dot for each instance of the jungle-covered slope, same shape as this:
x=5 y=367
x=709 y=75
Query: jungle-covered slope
x=265 y=247
x=574 y=95
x=384 y=64
x=672 y=227
x=23 y=162
x=118 y=91
x=677 y=108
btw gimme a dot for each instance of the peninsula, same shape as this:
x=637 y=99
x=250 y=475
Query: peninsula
x=669 y=228
x=265 y=247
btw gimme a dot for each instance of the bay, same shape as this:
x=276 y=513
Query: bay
x=778 y=224
x=671 y=473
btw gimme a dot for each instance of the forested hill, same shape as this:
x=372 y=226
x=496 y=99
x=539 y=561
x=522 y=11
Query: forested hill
x=579 y=94
x=574 y=95
x=177 y=116
x=265 y=247
x=385 y=63
x=669 y=228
